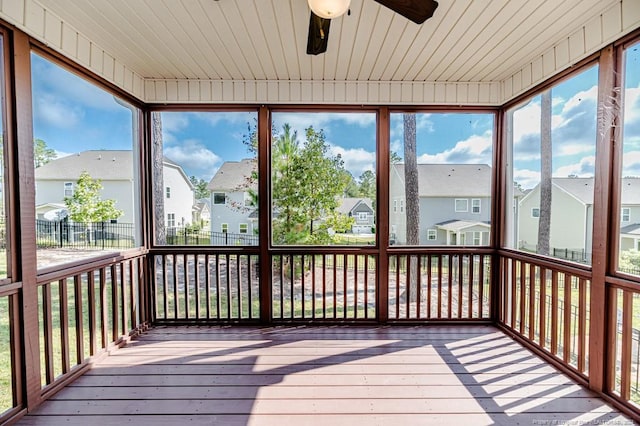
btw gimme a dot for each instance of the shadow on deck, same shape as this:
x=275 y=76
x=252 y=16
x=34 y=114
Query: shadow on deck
x=469 y=375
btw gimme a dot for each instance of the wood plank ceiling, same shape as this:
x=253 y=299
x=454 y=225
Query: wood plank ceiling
x=465 y=41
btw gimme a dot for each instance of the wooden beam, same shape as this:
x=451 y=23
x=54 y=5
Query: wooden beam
x=603 y=247
x=24 y=181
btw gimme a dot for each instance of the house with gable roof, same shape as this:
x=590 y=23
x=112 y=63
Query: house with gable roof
x=455 y=204
x=233 y=208
x=115 y=169
x=361 y=210
x=572 y=215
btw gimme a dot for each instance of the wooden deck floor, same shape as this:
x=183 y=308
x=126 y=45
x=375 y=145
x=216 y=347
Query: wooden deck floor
x=440 y=375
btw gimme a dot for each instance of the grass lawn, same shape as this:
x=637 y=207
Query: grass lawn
x=6 y=401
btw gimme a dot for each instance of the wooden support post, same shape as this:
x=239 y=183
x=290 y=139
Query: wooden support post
x=602 y=244
x=382 y=196
x=23 y=180
x=264 y=183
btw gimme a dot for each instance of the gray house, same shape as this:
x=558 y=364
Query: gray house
x=232 y=205
x=572 y=215
x=455 y=204
x=361 y=209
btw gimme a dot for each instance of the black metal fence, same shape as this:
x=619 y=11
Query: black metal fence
x=101 y=235
x=185 y=236
x=580 y=255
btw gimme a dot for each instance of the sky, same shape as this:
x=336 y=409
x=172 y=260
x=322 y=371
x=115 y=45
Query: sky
x=72 y=115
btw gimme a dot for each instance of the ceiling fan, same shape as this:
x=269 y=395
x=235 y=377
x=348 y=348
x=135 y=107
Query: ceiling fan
x=322 y=11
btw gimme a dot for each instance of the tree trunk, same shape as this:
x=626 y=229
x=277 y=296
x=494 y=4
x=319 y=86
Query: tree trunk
x=544 y=221
x=412 y=202
x=157 y=178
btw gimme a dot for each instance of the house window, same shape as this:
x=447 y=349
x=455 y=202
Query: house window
x=244 y=228
x=475 y=205
x=224 y=227
x=626 y=214
x=167 y=192
x=432 y=234
x=535 y=212
x=362 y=216
x=395 y=206
x=248 y=200
x=219 y=198
x=401 y=206
x=68 y=189
x=171 y=220
x=477 y=238
x=462 y=205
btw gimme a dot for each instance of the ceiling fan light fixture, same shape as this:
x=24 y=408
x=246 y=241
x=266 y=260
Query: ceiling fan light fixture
x=329 y=9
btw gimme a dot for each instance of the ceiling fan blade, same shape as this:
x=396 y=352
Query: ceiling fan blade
x=416 y=10
x=318 y=34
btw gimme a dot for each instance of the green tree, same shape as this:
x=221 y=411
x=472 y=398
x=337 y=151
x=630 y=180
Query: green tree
x=86 y=205
x=368 y=185
x=339 y=222
x=199 y=187
x=322 y=182
x=307 y=185
x=352 y=189
x=42 y=154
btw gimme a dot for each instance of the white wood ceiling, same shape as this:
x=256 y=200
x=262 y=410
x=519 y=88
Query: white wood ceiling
x=472 y=52
x=481 y=40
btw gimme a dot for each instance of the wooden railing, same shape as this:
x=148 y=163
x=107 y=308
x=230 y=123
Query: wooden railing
x=324 y=286
x=624 y=341
x=548 y=305
x=319 y=284
x=215 y=285
x=10 y=351
x=440 y=286
x=86 y=309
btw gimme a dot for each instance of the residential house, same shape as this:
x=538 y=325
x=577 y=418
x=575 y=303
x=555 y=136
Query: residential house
x=179 y=200
x=202 y=212
x=115 y=169
x=361 y=209
x=572 y=215
x=455 y=204
x=233 y=208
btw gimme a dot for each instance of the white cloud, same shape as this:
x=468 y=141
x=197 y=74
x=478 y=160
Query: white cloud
x=477 y=149
x=56 y=112
x=356 y=160
x=631 y=164
x=322 y=120
x=583 y=168
x=526 y=178
x=52 y=80
x=195 y=158
x=423 y=125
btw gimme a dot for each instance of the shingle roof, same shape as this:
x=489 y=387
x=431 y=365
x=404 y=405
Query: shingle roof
x=633 y=229
x=447 y=180
x=347 y=204
x=582 y=189
x=235 y=176
x=101 y=164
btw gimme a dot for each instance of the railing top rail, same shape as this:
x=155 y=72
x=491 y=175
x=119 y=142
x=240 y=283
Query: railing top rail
x=555 y=264
x=168 y=250
x=47 y=275
x=440 y=250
